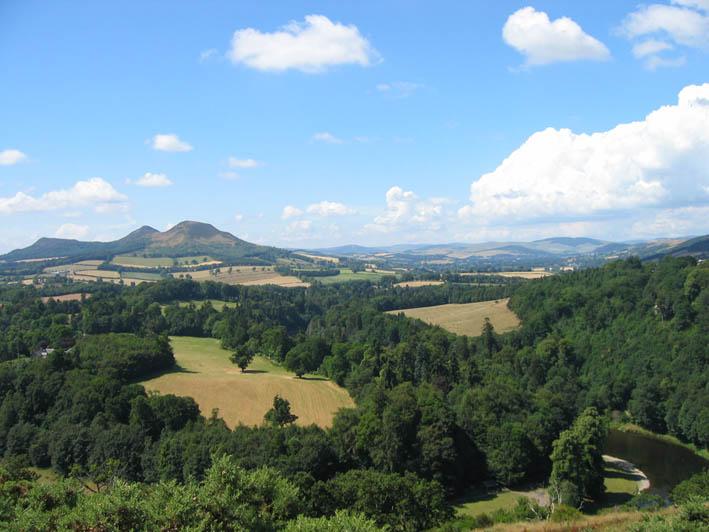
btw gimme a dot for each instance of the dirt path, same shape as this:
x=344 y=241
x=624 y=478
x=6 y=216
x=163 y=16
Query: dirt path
x=628 y=467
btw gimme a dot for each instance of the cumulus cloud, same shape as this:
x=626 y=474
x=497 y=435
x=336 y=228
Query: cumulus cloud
x=243 y=163
x=329 y=208
x=543 y=41
x=239 y=217
x=661 y=161
x=10 y=157
x=170 y=142
x=206 y=55
x=327 y=137
x=289 y=211
x=658 y=28
x=153 y=180
x=310 y=46
x=94 y=192
x=404 y=209
x=299 y=226
x=72 y=231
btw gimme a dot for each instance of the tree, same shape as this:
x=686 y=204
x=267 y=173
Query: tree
x=577 y=461
x=280 y=414
x=242 y=358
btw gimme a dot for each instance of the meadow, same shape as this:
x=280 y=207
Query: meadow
x=520 y=275
x=206 y=374
x=347 y=274
x=416 y=284
x=466 y=318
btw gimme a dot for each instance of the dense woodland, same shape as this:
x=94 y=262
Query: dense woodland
x=436 y=413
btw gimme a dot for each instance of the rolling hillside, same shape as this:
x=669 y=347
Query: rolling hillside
x=186 y=238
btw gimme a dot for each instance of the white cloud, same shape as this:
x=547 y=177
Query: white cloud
x=239 y=217
x=661 y=161
x=153 y=180
x=243 y=163
x=299 y=226
x=682 y=221
x=170 y=142
x=329 y=208
x=543 y=41
x=406 y=209
x=650 y=47
x=399 y=89
x=289 y=211
x=685 y=23
x=309 y=46
x=206 y=55
x=327 y=137
x=10 y=157
x=94 y=192
x=72 y=231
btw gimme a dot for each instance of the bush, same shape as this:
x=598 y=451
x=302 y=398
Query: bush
x=696 y=486
x=565 y=514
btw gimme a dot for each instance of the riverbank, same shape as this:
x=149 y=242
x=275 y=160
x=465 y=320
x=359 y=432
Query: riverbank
x=667 y=438
x=640 y=478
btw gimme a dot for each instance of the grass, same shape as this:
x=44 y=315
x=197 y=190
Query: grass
x=416 y=284
x=466 y=318
x=480 y=502
x=347 y=275
x=142 y=276
x=637 y=429
x=521 y=275
x=206 y=374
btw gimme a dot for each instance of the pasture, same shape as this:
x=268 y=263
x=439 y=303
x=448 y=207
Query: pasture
x=347 y=275
x=466 y=318
x=206 y=374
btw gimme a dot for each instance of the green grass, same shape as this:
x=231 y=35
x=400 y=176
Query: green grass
x=479 y=502
x=347 y=275
x=637 y=429
x=143 y=276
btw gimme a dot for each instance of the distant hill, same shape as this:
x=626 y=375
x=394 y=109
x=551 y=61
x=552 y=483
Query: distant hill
x=185 y=239
x=696 y=247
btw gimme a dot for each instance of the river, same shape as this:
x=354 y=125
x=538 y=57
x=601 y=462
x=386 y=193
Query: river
x=665 y=464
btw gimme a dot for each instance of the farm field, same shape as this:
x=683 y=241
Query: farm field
x=346 y=275
x=163 y=262
x=77 y=296
x=246 y=275
x=521 y=275
x=466 y=318
x=323 y=258
x=416 y=284
x=218 y=304
x=206 y=374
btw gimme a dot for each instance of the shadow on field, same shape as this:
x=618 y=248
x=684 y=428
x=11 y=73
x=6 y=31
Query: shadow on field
x=614 y=473
x=312 y=378
x=254 y=371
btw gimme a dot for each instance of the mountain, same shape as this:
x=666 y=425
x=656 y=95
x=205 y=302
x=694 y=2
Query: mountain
x=696 y=247
x=185 y=239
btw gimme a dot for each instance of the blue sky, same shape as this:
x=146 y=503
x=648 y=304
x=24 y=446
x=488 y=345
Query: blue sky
x=323 y=123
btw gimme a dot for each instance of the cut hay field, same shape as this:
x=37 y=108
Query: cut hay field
x=206 y=374
x=466 y=318
x=246 y=275
x=131 y=261
x=76 y=296
x=520 y=275
x=416 y=284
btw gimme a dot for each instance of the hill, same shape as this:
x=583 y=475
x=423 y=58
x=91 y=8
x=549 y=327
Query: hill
x=185 y=238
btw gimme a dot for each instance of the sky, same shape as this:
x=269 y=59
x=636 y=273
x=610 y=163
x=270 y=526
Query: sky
x=320 y=123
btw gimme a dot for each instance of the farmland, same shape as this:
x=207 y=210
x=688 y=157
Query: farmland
x=135 y=261
x=466 y=318
x=416 y=284
x=206 y=374
x=245 y=275
x=521 y=275
x=347 y=274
